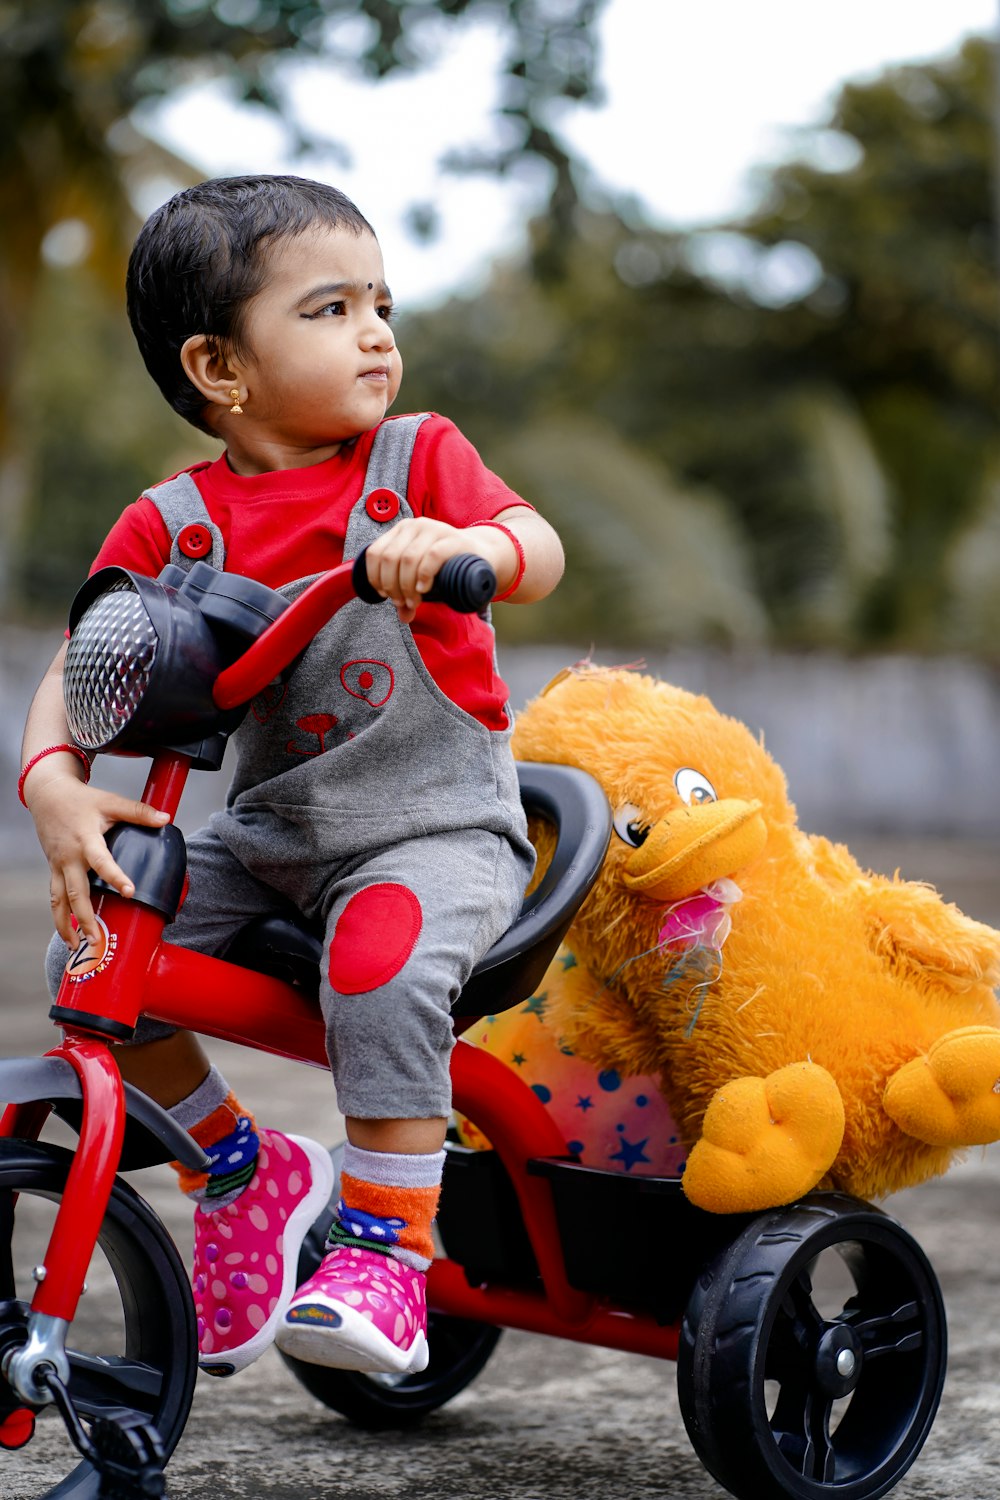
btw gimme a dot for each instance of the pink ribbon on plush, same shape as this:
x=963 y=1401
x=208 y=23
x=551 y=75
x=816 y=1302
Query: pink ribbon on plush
x=701 y=920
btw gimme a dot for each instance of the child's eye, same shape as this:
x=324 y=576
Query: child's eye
x=330 y=310
x=387 y=312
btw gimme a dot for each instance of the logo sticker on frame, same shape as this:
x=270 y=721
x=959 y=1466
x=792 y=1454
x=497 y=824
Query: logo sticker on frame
x=88 y=960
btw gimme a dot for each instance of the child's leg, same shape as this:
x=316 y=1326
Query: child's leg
x=167 y=1068
x=263 y=1189
x=389 y=1196
x=402 y=937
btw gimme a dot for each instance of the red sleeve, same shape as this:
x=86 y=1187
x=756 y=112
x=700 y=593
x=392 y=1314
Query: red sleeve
x=449 y=481
x=138 y=540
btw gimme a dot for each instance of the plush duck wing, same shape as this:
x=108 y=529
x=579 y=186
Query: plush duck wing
x=911 y=924
x=932 y=934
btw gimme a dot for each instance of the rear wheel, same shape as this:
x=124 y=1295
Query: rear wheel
x=812 y=1354
x=458 y=1350
x=131 y=1348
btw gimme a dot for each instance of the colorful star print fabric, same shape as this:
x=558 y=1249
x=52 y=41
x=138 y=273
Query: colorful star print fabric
x=608 y=1120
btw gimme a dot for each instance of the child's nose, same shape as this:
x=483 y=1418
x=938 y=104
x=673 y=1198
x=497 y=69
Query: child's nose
x=377 y=334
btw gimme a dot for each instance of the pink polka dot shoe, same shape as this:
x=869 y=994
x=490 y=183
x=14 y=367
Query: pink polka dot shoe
x=246 y=1255
x=361 y=1310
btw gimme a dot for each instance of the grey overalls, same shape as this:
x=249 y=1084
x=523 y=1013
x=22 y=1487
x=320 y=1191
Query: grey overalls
x=372 y=802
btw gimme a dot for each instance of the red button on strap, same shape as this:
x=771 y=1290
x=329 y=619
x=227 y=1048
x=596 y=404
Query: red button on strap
x=382 y=505
x=194 y=540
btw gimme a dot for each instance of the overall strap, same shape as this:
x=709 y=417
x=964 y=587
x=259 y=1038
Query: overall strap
x=183 y=510
x=392 y=450
x=389 y=471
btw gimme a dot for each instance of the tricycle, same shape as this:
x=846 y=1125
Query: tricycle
x=790 y=1383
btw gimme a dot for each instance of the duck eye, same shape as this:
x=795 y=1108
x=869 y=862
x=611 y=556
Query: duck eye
x=694 y=788
x=630 y=825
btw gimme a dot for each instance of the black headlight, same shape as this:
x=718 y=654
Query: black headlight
x=144 y=653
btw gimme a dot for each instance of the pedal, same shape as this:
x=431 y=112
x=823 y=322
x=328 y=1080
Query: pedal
x=125 y=1449
x=130 y=1458
x=17 y=1428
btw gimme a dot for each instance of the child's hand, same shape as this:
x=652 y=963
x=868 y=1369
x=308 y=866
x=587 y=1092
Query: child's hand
x=404 y=563
x=71 y=820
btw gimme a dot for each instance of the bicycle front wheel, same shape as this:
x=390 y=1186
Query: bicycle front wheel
x=132 y=1347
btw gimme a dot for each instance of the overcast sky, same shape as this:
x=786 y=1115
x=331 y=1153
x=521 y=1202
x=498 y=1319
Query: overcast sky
x=697 y=95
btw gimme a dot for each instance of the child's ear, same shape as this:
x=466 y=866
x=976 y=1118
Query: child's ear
x=209 y=370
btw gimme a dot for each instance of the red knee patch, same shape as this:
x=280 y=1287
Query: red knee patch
x=375 y=935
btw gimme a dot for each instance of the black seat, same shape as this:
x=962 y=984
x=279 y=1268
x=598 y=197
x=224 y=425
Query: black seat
x=569 y=799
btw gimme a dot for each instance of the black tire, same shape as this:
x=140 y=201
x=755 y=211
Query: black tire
x=789 y=1389
x=458 y=1351
x=458 y=1347
x=143 y=1358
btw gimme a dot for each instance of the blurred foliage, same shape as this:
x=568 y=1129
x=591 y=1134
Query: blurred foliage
x=827 y=368
x=76 y=74
x=82 y=479
x=776 y=430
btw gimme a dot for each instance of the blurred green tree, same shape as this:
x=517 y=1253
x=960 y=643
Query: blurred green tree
x=827 y=368
x=903 y=316
x=73 y=74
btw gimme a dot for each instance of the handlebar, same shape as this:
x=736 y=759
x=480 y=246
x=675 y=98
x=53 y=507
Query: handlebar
x=465 y=583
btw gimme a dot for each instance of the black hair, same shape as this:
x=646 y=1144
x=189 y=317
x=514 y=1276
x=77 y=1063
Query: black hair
x=199 y=261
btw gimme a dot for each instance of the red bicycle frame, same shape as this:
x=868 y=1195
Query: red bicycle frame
x=138 y=974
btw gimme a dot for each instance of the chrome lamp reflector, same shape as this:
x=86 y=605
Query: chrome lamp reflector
x=144 y=653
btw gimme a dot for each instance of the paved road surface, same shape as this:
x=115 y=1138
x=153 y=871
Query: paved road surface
x=545 y=1419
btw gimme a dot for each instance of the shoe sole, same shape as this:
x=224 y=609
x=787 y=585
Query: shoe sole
x=297 y=1226
x=334 y=1335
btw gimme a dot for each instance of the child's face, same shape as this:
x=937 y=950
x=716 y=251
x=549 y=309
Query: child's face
x=324 y=366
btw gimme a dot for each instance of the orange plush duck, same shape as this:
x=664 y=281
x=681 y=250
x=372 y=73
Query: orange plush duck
x=804 y=1022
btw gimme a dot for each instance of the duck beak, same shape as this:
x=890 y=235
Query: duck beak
x=693 y=846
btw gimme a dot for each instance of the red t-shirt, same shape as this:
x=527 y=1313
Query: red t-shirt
x=291 y=523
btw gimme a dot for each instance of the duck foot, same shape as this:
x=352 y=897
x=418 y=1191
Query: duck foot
x=766 y=1141
x=950 y=1097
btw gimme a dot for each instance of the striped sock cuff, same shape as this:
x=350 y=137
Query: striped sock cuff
x=210 y=1093
x=392 y=1168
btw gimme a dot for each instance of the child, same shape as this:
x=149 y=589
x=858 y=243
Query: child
x=377 y=792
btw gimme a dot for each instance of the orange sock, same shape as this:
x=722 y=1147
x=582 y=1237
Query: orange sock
x=388 y=1202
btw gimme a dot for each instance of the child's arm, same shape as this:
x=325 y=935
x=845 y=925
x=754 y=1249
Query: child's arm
x=71 y=818
x=403 y=564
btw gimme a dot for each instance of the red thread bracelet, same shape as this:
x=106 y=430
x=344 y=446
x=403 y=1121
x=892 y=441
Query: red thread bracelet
x=521 y=562
x=81 y=755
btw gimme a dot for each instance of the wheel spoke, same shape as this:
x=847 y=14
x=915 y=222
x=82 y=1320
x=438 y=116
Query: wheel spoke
x=807 y=1315
x=898 y=1331
x=801 y=1423
x=801 y=1419
x=796 y=1331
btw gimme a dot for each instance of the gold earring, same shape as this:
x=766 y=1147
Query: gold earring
x=236 y=409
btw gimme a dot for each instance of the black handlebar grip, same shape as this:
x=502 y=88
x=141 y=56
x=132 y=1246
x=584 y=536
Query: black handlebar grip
x=467 y=583
x=359 y=580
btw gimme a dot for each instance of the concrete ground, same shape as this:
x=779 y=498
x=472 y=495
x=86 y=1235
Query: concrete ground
x=545 y=1418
